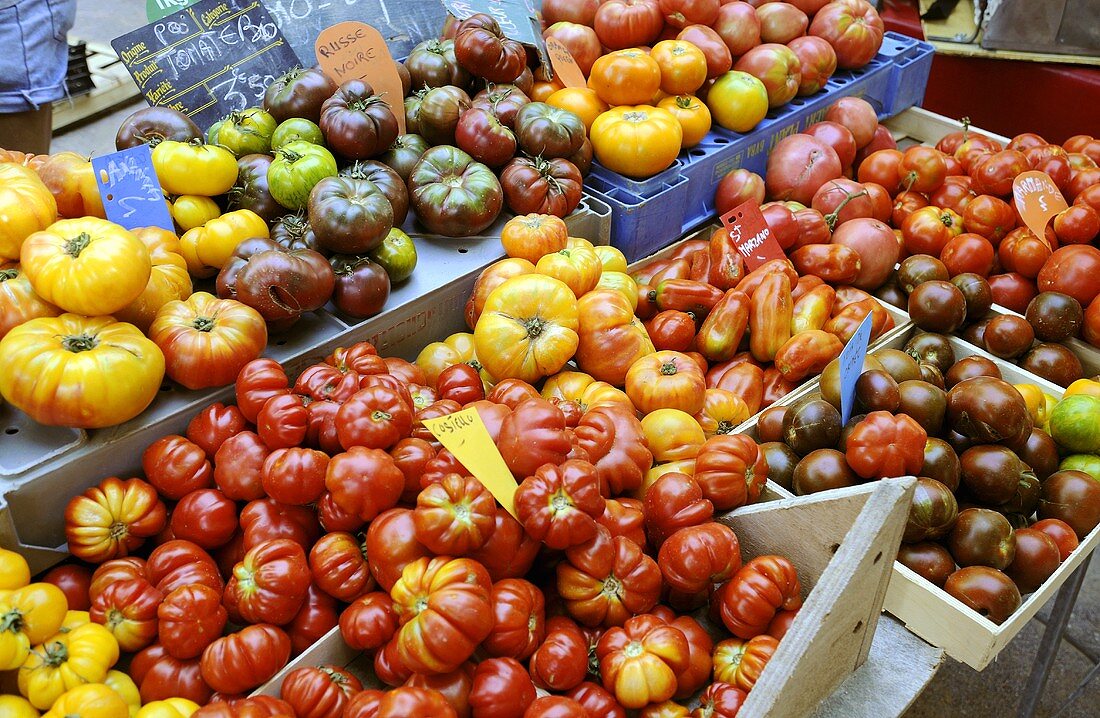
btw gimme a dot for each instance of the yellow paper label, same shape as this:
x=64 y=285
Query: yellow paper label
x=464 y=434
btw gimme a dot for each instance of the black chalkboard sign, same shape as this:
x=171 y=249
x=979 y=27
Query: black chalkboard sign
x=210 y=59
x=402 y=23
x=518 y=19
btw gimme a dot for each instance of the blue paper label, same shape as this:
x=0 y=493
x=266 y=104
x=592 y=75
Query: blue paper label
x=130 y=190
x=851 y=366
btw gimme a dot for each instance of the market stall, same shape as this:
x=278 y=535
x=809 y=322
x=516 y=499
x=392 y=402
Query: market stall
x=635 y=357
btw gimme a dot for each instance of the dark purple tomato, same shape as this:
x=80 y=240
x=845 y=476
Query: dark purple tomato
x=1008 y=336
x=991 y=473
x=769 y=425
x=1073 y=497
x=781 y=463
x=362 y=286
x=970 y=367
x=977 y=294
x=937 y=306
x=982 y=537
x=898 y=364
x=1040 y=452
x=1055 y=316
x=1036 y=559
x=1053 y=362
x=917 y=269
x=923 y=402
x=929 y=348
x=404 y=153
x=989 y=592
x=298 y=93
x=151 y=125
x=941 y=463
x=811 y=424
x=932 y=513
x=877 y=391
x=930 y=561
x=988 y=410
x=822 y=469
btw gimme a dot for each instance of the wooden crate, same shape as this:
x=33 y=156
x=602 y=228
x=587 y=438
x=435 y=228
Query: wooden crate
x=841 y=542
x=113 y=87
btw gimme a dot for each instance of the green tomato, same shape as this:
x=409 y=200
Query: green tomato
x=1075 y=423
x=297 y=167
x=246 y=132
x=296 y=128
x=1088 y=463
x=212 y=132
x=396 y=254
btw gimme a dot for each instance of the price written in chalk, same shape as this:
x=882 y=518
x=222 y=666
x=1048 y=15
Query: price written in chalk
x=130 y=191
x=751 y=235
x=463 y=433
x=1038 y=200
x=851 y=366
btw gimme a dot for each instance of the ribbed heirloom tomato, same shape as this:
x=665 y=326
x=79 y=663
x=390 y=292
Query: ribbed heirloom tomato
x=639 y=662
x=763 y=586
x=607 y=580
x=638 y=140
x=559 y=505
x=666 y=380
x=610 y=337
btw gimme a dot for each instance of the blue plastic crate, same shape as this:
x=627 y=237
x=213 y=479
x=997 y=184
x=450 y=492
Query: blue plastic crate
x=639 y=187
x=642 y=225
x=912 y=63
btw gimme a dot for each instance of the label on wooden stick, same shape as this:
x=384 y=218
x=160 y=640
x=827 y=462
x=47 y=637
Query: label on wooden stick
x=356 y=51
x=463 y=433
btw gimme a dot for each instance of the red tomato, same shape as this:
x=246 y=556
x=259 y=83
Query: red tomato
x=283 y=421
x=968 y=253
x=1073 y=270
x=928 y=230
x=270 y=583
x=1023 y=252
x=1061 y=532
x=205 y=517
x=243 y=660
x=607 y=580
x=319 y=691
x=989 y=216
x=213 y=425
x=993 y=174
x=258 y=381
x=510 y=551
x=1079 y=224
x=181 y=563
x=338 y=562
x=518 y=619
x=533 y=435
x=561 y=661
x=905 y=204
x=559 y=505
x=364 y=498
x=628 y=23
x=159 y=676
x=502 y=688
x=673 y=502
x=376 y=417
x=881 y=167
x=176 y=466
x=1013 y=291
x=295 y=475
x=238 y=466
x=555 y=707
x=129 y=611
x=75 y=581
x=392 y=545
x=267 y=519
x=695 y=558
x=190 y=619
x=921 y=169
x=1080 y=180
x=763 y=586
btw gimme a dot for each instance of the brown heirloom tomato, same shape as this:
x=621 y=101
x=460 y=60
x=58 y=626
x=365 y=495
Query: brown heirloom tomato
x=545 y=186
x=452 y=194
x=356 y=122
x=482 y=49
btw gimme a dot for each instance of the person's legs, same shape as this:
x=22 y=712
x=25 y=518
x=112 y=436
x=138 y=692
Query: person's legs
x=28 y=131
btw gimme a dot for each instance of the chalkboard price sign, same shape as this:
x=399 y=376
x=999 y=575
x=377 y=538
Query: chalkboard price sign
x=517 y=20
x=210 y=59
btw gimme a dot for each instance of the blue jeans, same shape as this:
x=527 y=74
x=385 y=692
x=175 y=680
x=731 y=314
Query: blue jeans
x=33 y=52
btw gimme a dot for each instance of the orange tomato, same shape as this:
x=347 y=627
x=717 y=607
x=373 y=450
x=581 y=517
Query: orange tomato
x=692 y=114
x=673 y=435
x=666 y=380
x=581 y=101
x=722 y=412
x=683 y=66
x=490 y=278
x=533 y=235
x=541 y=91
x=625 y=77
x=168 y=279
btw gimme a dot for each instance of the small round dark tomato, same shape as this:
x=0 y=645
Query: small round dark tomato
x=1073 y=497
x=931 y=374
x=970 y=367
x=877 y=391
x=1040 y=452
x=930 y=561
x=917 y=269
x=362 y=286
x=250 y=191
x=941 y=463
x=937 y=306
x=151 y=125
x=932 y=513
x=982 y=537
x=1061 y=532
x=830 y=378
x=892 y=294
x=931 y=348
x=898 y=364
x=298 y=93
x=988 y=591
x=1008 y=336
x=781 y=463
x=769 y=425
x=991 y=473
x=1055 y=316
x=1053 y=362
x=1012 y=291
x=822 y=469
x=811 y=424
x=968 y=252
x=1037 y=557
x=1025 y=499
x=432 y=63
x=404 y=153
x=975 y=333
x=977 y=293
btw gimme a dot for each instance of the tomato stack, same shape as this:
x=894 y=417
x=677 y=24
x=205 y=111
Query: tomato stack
x=730 y=62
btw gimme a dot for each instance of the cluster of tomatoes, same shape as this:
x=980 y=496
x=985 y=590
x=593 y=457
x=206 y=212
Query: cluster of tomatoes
x=710 y=61
x=270 y=515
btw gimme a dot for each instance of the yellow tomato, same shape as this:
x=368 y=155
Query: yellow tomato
x=528 y=328
x=92 y=700
x=437 y=356
x=611 y=258
x=168 y=708
x=1084 y=386
x=683 y=66
x=1035 y=401
x=75 y=619
x=625 y=77
x=620 y=282
x=636 y=141
x=88 y=266
x=722 y=412
x=194 y=168
x=18 y=301
x=584 y=390
x=81 y=372
x=125 y=687
x=673 y=435
x=26 y=207
x=578 y=267
x=17 y=707
x=14 y=571
x=32 y=613
x=207 y=248
x=684 y=466
x=65 y=661
x=581 y=101
x=194 y=210
x=693 y=116
x=168 y=280
x=579 y=242
x=738 y=101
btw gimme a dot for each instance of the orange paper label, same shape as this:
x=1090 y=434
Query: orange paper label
x=1037 y=200
x=464 y=434
x=565 y=67
x=356 y=51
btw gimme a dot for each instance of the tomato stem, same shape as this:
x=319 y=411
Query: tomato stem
x=533 y=327
x=668 y=368
x=54 y=654
x=6 y=274
x=203 y=324
x=725 y=427
x=77 y=244
x=832 y=217
x=12 y=621
x=79 y=343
